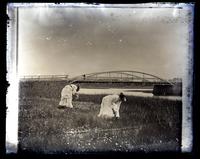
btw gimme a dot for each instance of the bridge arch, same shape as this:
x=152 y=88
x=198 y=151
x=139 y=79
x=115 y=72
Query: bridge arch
x=122 y=75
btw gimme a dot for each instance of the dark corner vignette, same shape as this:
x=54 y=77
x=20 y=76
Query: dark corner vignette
x=196 y=90
x=4 y=82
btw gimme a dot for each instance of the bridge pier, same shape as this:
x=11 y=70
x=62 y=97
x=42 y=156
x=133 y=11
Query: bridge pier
x=167 y=89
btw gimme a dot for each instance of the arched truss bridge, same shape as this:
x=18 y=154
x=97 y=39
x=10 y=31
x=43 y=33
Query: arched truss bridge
x=119 y=76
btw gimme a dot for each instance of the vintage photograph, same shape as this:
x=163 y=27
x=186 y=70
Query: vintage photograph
x=99 y=78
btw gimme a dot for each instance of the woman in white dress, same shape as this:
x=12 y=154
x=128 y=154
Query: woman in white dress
x=110 y=105
x=67 y=94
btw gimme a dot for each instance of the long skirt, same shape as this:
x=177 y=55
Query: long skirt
x=106 y=111
x=66 y=101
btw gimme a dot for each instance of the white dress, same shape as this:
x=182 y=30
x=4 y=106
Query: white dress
x=110 y=106
x=66 y=95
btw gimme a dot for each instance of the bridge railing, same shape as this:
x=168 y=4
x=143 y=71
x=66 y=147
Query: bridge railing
x=44 y=77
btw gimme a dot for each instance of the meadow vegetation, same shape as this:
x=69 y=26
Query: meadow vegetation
x=145 y=124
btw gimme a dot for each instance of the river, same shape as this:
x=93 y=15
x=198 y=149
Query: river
x=129 y=92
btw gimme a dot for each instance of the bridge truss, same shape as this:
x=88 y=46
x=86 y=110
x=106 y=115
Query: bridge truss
x=119 y=76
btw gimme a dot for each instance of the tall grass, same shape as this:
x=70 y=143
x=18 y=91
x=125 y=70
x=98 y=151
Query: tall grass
x=152 y=124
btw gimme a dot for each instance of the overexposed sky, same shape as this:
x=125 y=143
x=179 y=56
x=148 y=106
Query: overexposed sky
x=76 y=41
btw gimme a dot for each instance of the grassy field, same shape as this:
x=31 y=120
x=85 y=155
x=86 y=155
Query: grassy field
x=145 y=124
